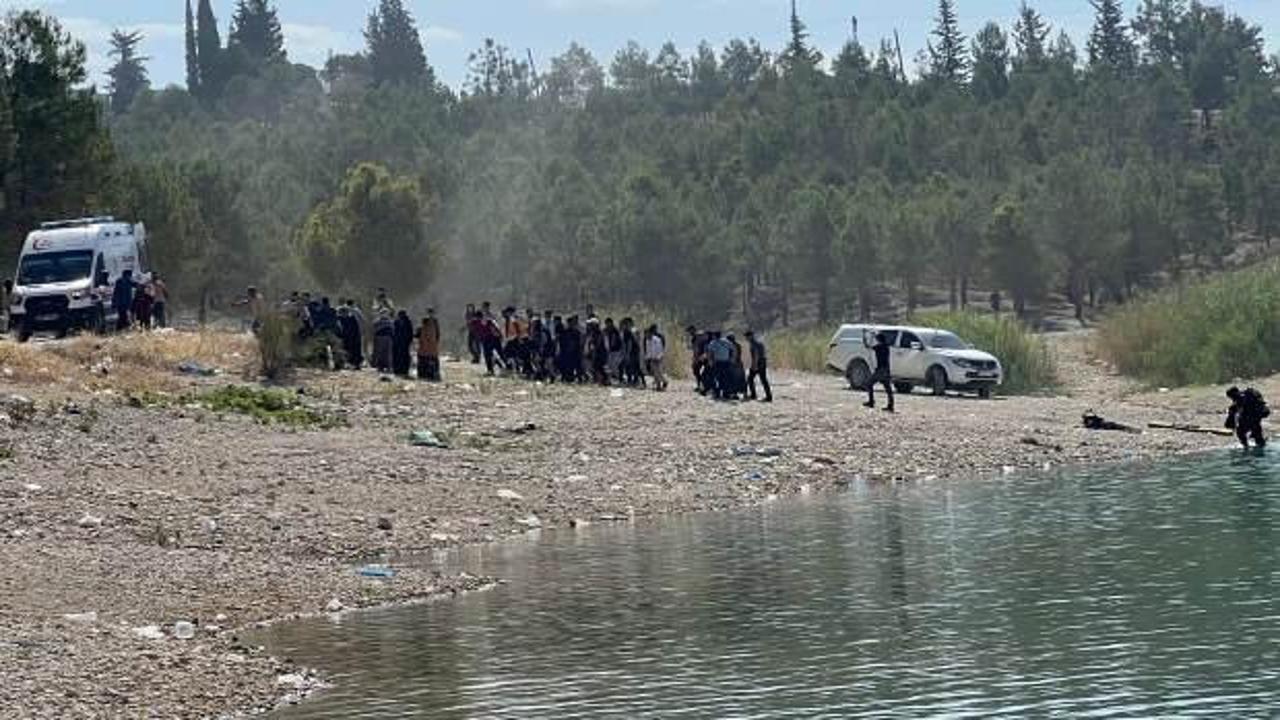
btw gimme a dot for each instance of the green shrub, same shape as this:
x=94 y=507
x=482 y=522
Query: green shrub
x=1028 y=366
x=265 y=406
x=1213 y=331
x=276 y=338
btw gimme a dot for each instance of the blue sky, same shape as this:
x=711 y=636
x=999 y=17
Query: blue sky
x=452 y=28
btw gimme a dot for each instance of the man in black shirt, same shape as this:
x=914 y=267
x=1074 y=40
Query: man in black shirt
x=759 y=368
x=882 y=374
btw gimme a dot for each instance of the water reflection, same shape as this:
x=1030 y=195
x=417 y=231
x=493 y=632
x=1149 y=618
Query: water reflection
x=1139 y=592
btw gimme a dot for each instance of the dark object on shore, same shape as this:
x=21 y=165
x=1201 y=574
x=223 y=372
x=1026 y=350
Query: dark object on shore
x=1093 y=421
x=1221 y=432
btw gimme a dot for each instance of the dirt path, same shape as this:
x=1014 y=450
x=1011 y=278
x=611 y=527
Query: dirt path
x=114 y=518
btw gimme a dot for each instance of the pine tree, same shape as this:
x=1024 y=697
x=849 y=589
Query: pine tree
x=209 y=51
x=128 y=76
x=1158 y=24
x=255 y=28
x=948 y=60
x=193 y=57
x=395 y=47
x=798 y=54
x=1110 y=47
x=990 y=64
x=1029 y=35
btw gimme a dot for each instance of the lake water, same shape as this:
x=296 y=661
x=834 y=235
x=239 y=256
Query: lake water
x=1132 y=592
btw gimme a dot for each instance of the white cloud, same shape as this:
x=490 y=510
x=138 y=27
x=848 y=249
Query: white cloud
x=312 y=44
x=438 y=34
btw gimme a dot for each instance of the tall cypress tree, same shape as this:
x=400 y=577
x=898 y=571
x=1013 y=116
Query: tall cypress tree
x=1110 y=47
x=209 y=51
x=949 y=59
x=193 y=56
x=395 y=47
x=255 y=28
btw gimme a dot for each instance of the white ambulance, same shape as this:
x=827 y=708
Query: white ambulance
x=67 y=271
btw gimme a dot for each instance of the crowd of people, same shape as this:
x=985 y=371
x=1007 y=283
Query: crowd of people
x=552 y=348
x=545 y=347
x=140 y=304
x=390 y=345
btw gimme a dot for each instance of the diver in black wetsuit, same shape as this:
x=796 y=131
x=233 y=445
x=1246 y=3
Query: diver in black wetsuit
x=1248 y=410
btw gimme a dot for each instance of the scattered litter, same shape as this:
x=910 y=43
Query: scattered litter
x=755 y=476
x=426 y=438
x=191 y=367
x=149 y=632
x=512 y=495
x=335 y=605
x=184 y=630
x=292 y=680
x=576 y=479
x=376 y=571
x=84 y=618
x=531 y=521
x=522 y=429
x=90 y=521
x=384 y=523
x=579 y=523
x=757 y=452
x=1008 y=469
x=617 y=393
x=32 y=487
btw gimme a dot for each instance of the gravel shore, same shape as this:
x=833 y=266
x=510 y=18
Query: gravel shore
x=118 y=521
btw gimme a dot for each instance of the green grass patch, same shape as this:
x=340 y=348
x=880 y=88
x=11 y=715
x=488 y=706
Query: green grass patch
x=1210 y=332
x=269 y=407
x=1028 y=366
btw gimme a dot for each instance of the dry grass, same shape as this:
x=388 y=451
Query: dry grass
x=129 y=363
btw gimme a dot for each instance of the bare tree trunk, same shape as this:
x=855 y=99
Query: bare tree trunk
x=964 y=291
x=953 y=294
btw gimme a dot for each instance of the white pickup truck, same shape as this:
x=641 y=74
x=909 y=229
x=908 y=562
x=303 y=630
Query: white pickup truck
x=936 y=359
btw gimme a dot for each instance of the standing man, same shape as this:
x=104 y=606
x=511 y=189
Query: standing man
x=159 y=302
x=122 y=300
x=720 y=352
x=429 y=348
x=473 y=341
x=759 y=368
x=655 y=352
x=1248 y=410
x=882 y=374
x=6 y=292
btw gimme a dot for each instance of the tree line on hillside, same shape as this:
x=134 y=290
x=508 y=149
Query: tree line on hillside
x=731 y=178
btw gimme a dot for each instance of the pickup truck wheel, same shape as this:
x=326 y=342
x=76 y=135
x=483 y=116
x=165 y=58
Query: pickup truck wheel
x=24 y=331
x=858 y=374
x=937 y=380
x=984 y=393
x=903 y=388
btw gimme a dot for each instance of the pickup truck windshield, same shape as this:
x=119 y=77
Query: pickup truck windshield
x=947 y=341
x=56 y=267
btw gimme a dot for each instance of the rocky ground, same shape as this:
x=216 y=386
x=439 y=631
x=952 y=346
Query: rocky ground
x=120 y=518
